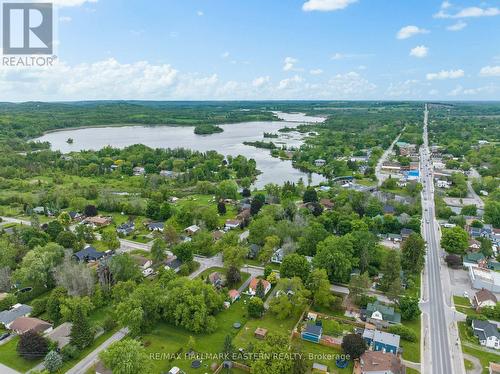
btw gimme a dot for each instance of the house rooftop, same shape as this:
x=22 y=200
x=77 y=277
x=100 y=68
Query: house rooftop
x=380 y=362
x=24 y=324
x=484 y=295
x=88 y=254
x=388 y=312
x=313 y=329
x=18 y=310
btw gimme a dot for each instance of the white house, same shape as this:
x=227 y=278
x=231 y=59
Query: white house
x=443 y=184
x=487 y=333
x=319 y=162
x=252 y=287
x=484 y=298
x=278 y=255
x=232 y=224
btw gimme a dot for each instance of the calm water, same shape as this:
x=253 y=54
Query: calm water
x=229 y=142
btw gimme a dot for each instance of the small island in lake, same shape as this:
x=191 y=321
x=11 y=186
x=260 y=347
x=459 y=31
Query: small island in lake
x=69 y=141
x=207 y=129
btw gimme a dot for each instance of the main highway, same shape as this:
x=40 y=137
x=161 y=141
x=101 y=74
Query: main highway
x=442 y=352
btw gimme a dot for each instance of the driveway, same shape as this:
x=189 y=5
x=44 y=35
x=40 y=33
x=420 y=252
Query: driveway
x=93 y=356
x=7 y=370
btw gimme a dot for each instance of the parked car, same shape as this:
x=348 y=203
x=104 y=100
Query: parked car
x=4 y=336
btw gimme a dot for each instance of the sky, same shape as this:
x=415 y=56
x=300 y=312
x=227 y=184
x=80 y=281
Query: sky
x=267 y=49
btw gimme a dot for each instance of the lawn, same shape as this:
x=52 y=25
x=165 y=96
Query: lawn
x=323 y=355
x=411 y=350
x=411 y=371
x=269 y=322
x=468 y=364
x=9 y=357
x=167 y=339
x=205 y=273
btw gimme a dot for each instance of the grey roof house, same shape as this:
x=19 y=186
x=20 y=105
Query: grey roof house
x=18 y=310
x=88 y=254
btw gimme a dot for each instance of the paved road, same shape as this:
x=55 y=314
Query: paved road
x=93 y=356
x=474 y=174
x=442 y=351
x=7 y=370
x=378 y=169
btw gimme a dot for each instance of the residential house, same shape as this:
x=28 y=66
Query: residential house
x=494 y=368
x=75 y=216
x=253 y=251
x=389 y=209
x=278 y=256
x=493 y=265
x=484 y=298
x=60 y=335
x=312 y=332
x=233 y=295
x=405 y=233
x=252 y=287
x=378 y=362
x=381 y=341
x=327 y=204
x=156 y=226
x=88 y=254
x=232 y=224
x=475 y=259
x=169 y=174
x=487 y=333
x=217 y=235
x=244 y=215
x=17 y=310
x=381 y=315
x=215 y=279
x=443 y=183
x=319 y=162
x=484 y=278
x=39 y=210
x=191 y=230
x=138 y=170
x=172 y=262
x=98 y=221
x=143 y=262
x=244 y=236
x=474 y=245
x=126 y=228
x=394 y=237
x=22 y=325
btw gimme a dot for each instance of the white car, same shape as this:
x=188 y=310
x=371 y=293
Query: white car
x=147 y=272
x=466 y=294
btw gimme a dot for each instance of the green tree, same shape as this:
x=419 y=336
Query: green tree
x=492 y=212
x=353 y=345
x=358 y=285
x=312 y=235
x=255 y=307
x=126 y=356
x=260 y=290
x=184 y=252
x=82 y=334
x=227 y=189
x=32 y=346
x=123 y=268
x=335 y=255
x=68 y=240
x=110 y=239
x=455 y=240
x=295 y=265
x=319 y=285
x=271 y=243
x=310 y=195
x=54 y=228
x=469 y=210
x=53 y=361
x=158 y=251
x=413 y=254
x=65 y=219
x=409 y=308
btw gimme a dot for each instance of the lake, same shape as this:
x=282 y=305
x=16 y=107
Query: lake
x=229 y=142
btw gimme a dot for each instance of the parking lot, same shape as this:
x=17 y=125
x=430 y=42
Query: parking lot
x=460 y=282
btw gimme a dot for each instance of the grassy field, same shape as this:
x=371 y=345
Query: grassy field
x=168 y=339
x=411 y=371
x=411 y=350
x=269 y=322
x=9 y=357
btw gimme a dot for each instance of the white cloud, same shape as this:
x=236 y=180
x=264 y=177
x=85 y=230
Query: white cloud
x=470 y=12
x=445 y=5
x=409 y=31
x=289 y=63
x=408 y=88
x=461 y=91
x=200 y=13
x=290 y=82
x=460 y=25
x=490 y=71
x=260 y=81
x=65 y=19
x=351 y=84
x=419 y=51
x=326 y=5
x=68 y=3
x=343 y=56
x=315 y=71
x=433 y=92
x=225 y=54
x=445 y=74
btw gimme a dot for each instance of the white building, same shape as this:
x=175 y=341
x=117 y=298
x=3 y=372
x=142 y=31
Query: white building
x=484 y=278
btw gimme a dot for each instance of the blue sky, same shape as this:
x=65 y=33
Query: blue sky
x=268 y=49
